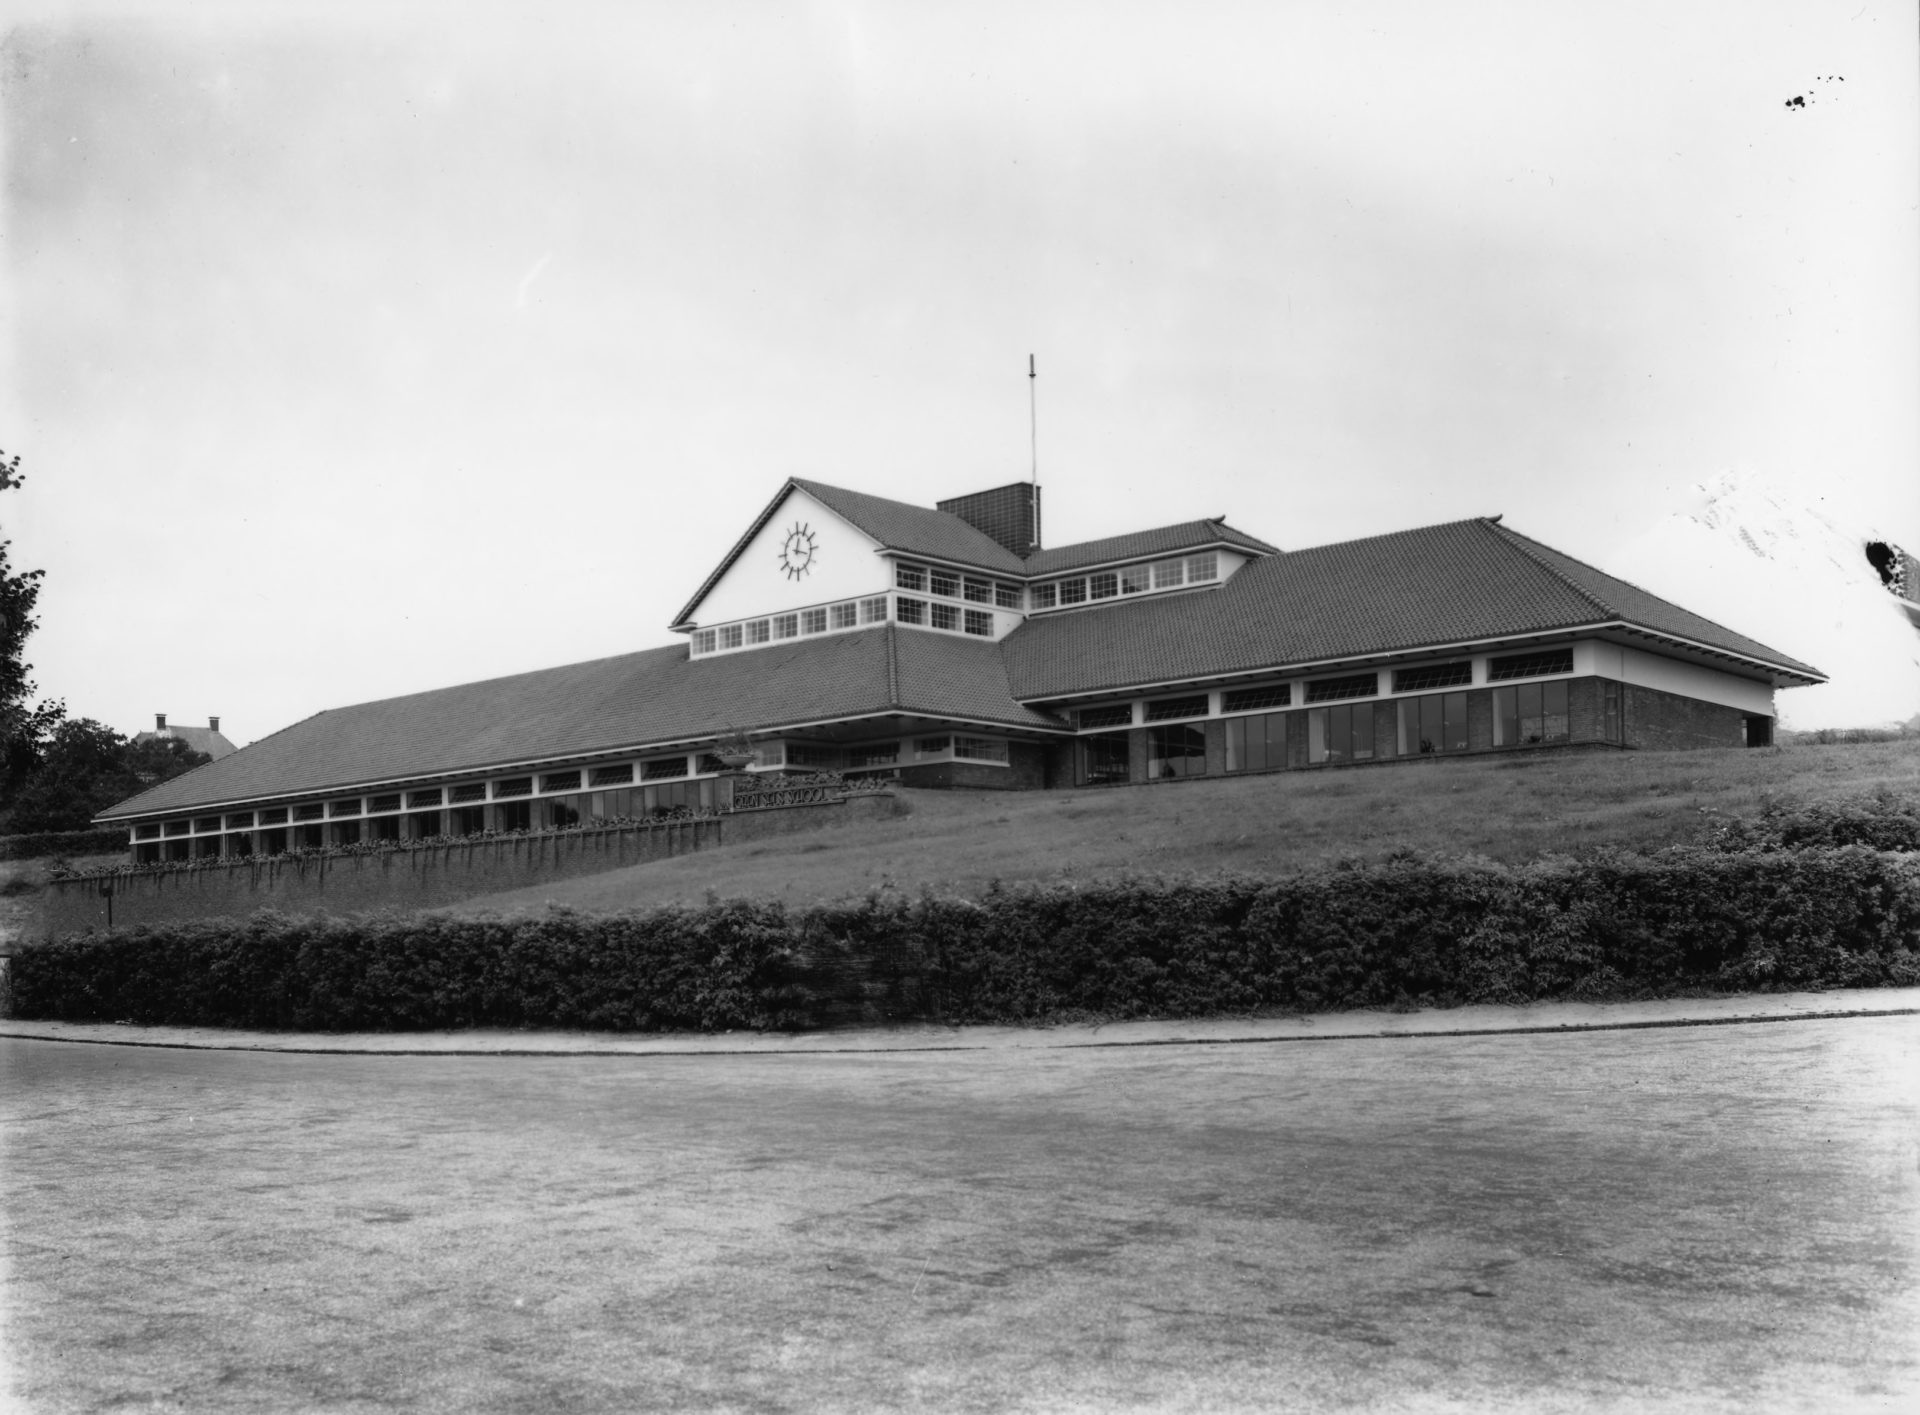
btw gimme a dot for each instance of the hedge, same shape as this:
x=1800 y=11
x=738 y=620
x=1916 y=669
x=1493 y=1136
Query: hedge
x=61 y=842
x=1408 y=932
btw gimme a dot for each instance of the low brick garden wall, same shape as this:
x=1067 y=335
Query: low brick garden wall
x=418 y=877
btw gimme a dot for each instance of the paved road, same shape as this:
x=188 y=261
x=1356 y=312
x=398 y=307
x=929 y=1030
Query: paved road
x=1718 y=1218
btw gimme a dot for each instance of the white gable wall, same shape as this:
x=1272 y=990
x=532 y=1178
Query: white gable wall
x=844 y=566
x=1670 y=675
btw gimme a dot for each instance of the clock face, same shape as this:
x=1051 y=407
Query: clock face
x=796 y=553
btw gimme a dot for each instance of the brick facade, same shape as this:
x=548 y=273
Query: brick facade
x=1642 y=718
x=1657 y=721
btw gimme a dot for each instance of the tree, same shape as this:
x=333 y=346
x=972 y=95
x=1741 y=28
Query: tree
x=85 y=766
x=24 y=725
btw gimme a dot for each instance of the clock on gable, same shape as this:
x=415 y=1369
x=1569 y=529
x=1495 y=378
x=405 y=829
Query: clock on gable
x=797 y=551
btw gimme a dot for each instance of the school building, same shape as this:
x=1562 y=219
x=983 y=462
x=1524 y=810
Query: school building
x=947 y=647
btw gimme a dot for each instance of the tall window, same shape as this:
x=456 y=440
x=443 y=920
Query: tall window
x=1257 y=743
x=1104 y=759
x=1340 y=734
x=1175 y=751
x=1530 y=713
x=1437 y=723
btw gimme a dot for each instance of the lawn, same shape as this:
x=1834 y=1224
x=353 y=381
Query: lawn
x=1505 y=808
x=1711 y=1219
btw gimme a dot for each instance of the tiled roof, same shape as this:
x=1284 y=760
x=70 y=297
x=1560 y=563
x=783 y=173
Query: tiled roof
x=199 y=739
x=1462 y=582
x=1163 y=540
x=655 y=697
x=916 y=530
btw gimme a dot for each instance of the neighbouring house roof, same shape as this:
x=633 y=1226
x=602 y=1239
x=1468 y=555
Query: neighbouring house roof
x=200 y=739
x=1164 y=540
x=657 y=697
x=1457 y=583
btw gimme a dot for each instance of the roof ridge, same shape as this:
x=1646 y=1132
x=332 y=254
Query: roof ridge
x=1508 y=536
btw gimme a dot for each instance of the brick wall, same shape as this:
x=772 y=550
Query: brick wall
x=1658 y=721
x=425 y=878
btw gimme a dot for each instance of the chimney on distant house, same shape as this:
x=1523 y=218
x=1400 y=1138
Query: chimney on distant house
x=159 y=722
x=1008 y=514
x=213 y=724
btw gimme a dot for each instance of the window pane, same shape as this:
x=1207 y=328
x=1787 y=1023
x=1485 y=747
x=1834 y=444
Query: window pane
x=910 y=577
x=787 y=626
x=1506 y=720
x=1175 y=752
x=1105 y=585
x=1201 y=568
x=1073 y=591
x=730 y=637
x=1317 y=735
x=1453 y=722
x=1433 y=724
x=945 y=582
x=912 y=611
x=1169 y=573
x=1006 y=596
x=873 y=611
x=1043 y=596
x=1276 y=740
x=980 y=622
x=1104 y=758
x=1256 y=754
x=1553 y=710
x=813 y=621
x=1362 y=746
x=1531 y=727
x=759 y=631
x=1237 y=743
x=979 y=591
x=703 y=641
x=1136 y=579
x=946 y=616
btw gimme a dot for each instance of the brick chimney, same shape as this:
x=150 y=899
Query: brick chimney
x=1009 y=514
x=159 y=722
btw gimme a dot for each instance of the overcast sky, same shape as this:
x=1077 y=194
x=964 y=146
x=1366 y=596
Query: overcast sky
x=354 y=353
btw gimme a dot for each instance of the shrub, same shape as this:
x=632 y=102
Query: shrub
x=1407 y=932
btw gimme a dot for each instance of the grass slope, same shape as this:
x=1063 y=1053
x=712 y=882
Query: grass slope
x=1511 y=808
